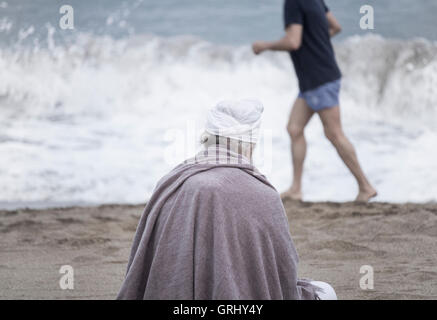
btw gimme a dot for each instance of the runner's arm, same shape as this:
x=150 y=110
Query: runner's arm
x=291 y=41
x=334 y=25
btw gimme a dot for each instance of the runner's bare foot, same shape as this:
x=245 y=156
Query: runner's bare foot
x=292 y=195
x=365 y=195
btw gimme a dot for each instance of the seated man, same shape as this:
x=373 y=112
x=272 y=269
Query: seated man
x=215 y=228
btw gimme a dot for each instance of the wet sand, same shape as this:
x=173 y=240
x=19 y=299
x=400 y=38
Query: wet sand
x=333 y=240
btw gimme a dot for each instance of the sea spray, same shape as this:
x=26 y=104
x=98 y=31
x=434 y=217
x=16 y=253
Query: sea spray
x=86 y=123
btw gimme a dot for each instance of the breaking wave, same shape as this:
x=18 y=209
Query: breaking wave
x=112 y=100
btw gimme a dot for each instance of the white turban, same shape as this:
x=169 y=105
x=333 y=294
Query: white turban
x=238 y=120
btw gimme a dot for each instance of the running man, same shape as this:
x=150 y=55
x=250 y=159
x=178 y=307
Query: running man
x=309 y=25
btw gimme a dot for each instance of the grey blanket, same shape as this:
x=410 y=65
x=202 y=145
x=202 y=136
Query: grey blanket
x=214 y=229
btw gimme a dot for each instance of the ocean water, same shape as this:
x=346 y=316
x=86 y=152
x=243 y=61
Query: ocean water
x=99 y=113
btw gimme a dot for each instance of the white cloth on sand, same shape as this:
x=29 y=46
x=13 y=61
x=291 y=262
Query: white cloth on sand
x=327 y=292
x=240 y=120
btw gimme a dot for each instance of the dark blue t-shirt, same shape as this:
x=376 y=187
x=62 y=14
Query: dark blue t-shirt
x=314 y=62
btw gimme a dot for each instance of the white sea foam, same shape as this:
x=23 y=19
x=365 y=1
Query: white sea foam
x=93 y=122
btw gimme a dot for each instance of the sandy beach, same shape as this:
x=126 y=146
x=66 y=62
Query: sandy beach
x=333 y=240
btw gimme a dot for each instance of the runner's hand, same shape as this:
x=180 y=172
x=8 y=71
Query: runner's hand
x=258 y=47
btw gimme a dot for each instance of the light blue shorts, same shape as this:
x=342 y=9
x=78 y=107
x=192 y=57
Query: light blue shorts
x=325 y=96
